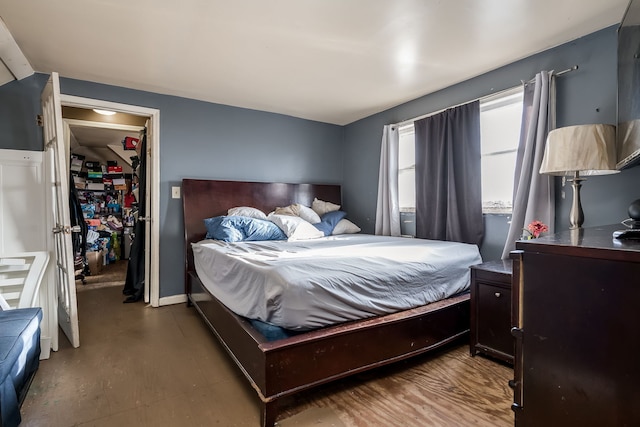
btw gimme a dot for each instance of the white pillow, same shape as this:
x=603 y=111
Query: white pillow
x=321 y=207
x=302 y=211
x=344 y=226
x=246 y=211
x=308 y=214
x=295 y=227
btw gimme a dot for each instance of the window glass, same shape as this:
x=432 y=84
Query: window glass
x=500 y=118
x=407 y=169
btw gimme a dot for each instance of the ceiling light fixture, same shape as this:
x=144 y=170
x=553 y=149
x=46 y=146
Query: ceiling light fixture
x=104 y=112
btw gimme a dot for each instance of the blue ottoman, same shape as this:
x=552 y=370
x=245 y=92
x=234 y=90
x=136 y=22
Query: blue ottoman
x=19 y=359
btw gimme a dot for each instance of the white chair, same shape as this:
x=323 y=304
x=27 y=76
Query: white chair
x=20 y=278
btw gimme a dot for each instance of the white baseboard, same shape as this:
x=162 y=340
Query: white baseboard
x=173 y=299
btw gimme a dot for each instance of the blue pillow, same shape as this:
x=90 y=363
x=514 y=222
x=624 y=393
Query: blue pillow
x=242 y=228
x=329 y=221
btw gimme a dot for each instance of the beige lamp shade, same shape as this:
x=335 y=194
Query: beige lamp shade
x=587 y=149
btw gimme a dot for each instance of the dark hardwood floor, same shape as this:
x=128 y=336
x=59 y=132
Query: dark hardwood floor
x=140 y=366
x=113 y=274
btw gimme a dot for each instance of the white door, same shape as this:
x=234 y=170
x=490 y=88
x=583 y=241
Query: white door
x=59 y=181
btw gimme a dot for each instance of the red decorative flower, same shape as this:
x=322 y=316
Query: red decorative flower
x=536 y=228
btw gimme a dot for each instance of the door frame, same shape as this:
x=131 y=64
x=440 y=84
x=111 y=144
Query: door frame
x=153 y=147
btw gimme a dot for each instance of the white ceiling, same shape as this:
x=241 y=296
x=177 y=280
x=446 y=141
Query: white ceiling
x=334 y=61
x=5 y=74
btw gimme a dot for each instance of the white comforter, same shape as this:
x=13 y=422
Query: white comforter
x=302 y=285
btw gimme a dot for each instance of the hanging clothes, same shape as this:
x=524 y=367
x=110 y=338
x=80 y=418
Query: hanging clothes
x=134 y=284
x=78 y=239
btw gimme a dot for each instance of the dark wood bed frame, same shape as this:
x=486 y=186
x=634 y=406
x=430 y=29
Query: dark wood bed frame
x=284 y=367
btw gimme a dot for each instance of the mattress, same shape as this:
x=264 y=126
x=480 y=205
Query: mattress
x=308 y=284
x=19 y=359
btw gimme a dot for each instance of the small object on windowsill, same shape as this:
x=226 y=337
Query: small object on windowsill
x=534 y=230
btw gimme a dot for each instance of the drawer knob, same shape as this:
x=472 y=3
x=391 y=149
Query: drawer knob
x=498 y=294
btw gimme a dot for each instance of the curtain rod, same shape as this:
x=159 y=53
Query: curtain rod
x=407 y=121
x=559 y=73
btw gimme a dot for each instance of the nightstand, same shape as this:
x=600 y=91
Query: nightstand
x=491 y=310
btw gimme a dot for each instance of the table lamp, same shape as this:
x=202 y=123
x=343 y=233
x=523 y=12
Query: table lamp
x=579 y=151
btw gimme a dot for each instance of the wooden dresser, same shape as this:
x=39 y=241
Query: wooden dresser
x=575 y=317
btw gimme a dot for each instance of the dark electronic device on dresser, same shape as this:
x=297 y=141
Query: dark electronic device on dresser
x=633 y=223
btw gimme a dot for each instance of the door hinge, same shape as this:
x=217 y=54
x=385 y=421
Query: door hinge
x=39 y=120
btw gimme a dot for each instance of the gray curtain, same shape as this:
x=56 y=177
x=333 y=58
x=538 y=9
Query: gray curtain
x=533 y=193
x=388 y=205
x=448 y=186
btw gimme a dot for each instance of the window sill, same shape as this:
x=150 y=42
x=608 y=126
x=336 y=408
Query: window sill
x=497 y=210
x=493 y=213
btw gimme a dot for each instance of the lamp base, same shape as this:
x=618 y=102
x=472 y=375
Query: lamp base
x=576 y=216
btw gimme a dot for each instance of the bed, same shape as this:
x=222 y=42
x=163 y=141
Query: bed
x=282 y=367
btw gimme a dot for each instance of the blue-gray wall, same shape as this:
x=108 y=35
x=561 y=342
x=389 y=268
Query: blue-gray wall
x=197 y=140
x=19 y=106
x=587 y=95
x=204 y=140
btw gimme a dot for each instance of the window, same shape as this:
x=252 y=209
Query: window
x=407 y=168
x=500 y=117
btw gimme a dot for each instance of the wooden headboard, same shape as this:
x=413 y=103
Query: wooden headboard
x=202 y=198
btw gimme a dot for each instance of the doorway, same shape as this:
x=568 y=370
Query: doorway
x=152 y=116
x=105 y=153
x=61 y=305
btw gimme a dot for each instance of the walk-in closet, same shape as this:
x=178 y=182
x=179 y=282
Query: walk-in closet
x=104 y=168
